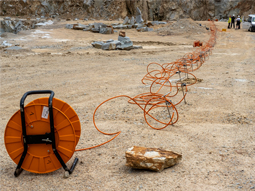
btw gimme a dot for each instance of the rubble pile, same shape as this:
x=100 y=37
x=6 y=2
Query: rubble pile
x=94 y=27
x=123 y=43
x=182 y=26
x=16 y=25
x=128 y=23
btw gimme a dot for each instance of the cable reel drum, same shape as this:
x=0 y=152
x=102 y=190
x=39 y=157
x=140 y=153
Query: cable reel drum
x=42 y=136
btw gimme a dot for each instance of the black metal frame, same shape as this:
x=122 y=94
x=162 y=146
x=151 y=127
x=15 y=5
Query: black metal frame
x=48 y=138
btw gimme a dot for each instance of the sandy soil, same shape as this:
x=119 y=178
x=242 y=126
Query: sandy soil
x=215 y=132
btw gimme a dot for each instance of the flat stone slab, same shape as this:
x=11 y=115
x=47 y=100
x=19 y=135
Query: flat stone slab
x=154 y=159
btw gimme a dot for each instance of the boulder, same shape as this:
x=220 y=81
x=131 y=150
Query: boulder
x=79 y=26
x=110 y=40
x=121 y=38
x=69 y=26
x=98 y=25
x=106 y=30
x=155 y=23
x=151 y=158
x=97 y=44
x=120 y=26
x=8 y=26
x=122 y=33
x=87 y=29
x=125 y=20
x=132 y=21
x=138 y=17
x=138 y=25
x=125 y=45
x=144 y=29
x=7 y=18
x=96 y=30
x=111 y=45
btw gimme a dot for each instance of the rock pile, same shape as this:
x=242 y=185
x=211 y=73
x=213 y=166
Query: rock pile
x=123 y=43
x=180 y=27
x=16 y=25
x=102 y=28
x=94 y=27
x=151 y=158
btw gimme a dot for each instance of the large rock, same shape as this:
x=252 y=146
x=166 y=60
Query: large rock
x=111 y=45
x=125 y=20
x=106 y=30
x=79 y=26
x=125 y=45
x=97 y=44
x=144 y=29
x=121 y=26
x=138 y=17
x=125 y=38
x=151 y=158
x=69 y=26
x=132 y=21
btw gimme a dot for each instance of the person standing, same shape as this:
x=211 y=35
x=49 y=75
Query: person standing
x=229 y=22
x=238 y=22
x=233 y=21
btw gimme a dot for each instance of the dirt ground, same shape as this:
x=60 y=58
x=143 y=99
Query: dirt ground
x=215 y=132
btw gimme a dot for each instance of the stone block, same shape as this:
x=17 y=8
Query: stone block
x=138 y=17
x=151 y=158
x=97 y=44
x=69 y=26
x=121 y=38
x=120 y=26
x=138 y=25
x=122 y=33
x=125 y=20
x=125 y=45
x=155 y=23
x=132 y=21
x=106 y=30
x=95 y=30
x=79 y=26
x=142 y=29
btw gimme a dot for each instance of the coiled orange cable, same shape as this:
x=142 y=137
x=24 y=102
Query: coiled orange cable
x=153 y=99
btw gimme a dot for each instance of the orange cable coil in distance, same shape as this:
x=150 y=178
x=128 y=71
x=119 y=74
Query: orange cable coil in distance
x=153 y=99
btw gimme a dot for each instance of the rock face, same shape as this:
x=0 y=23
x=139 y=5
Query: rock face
x=114 y=9
x=151 y=158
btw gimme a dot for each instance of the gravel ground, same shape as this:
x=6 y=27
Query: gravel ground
x=215 y=132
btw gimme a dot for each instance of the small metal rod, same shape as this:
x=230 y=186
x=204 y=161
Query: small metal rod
x=183 y=84
x=167 y=106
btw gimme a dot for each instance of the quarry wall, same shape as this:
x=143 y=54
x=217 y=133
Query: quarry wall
x=114 y=9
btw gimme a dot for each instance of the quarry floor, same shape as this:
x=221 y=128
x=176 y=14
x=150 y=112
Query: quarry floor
x=215 y=133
